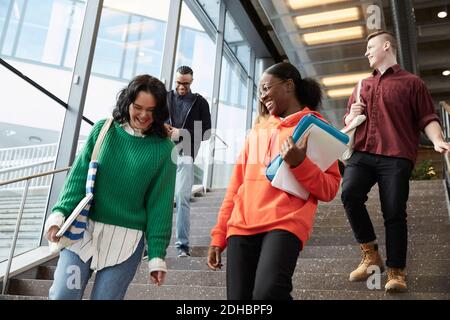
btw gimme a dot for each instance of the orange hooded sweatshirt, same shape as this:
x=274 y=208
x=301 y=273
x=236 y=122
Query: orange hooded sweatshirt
x=252 y=205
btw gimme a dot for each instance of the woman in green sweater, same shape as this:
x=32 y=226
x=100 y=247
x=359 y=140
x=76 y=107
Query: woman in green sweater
x=133 y=199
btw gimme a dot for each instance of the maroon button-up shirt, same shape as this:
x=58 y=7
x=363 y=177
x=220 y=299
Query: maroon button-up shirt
x=398 y=107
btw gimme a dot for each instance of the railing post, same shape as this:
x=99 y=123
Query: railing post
x=16 y=233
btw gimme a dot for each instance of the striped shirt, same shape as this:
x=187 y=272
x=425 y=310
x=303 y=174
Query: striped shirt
x=107 y=245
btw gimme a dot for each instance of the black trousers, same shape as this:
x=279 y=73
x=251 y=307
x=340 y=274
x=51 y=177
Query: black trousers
x=392 y=175
x=260 y=267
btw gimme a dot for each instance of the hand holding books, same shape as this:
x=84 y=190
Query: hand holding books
x=324 y=145
x=294 y=154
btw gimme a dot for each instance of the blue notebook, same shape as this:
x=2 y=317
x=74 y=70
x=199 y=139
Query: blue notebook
x=305 y=124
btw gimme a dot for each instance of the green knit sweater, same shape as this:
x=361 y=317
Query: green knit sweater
x=134 y=187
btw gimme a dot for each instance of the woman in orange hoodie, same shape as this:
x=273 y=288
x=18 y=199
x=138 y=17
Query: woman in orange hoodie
x=265 y=228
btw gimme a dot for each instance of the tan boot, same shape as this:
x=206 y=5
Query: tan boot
x=396 y=281
x=370 y=257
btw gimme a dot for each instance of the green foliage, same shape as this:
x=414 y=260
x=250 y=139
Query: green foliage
x=423 y=171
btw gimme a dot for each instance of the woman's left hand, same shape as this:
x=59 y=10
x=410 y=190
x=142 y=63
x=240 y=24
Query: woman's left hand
x=294 y=154
x=157 y=277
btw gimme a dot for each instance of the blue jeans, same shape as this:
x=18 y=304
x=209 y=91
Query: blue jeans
x=111 y=283
x=183 y=190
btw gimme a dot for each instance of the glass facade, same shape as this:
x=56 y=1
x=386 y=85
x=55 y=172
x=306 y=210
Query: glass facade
x=194 y=49
x=130 y=42
x=41 y=39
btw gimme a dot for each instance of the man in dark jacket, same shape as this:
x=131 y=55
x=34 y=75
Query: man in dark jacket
x=189 y=124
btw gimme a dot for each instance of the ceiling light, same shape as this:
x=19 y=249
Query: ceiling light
x=343 y=79
x=333 y=35
x=446 y=73
x=303 y=4
x=339 y=93
x=328 y=17
x=442 y=14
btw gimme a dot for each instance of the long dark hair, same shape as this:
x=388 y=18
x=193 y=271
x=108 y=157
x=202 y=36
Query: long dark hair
x=307 y=91
x=129 y=94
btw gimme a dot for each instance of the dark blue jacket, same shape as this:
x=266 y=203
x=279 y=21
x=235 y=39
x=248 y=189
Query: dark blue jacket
x=198 y=111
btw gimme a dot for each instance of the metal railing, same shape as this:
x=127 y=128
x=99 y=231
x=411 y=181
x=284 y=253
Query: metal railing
x=20 y=214
x=17 y=156
x=17 y=162
x=13 y=173
x=445 y=114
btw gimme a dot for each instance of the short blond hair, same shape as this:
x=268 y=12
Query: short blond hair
x=387 y=36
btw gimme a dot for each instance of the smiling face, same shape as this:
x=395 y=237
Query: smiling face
x=376 y=51
x=141 y=111
x=272 y=92
x=183 y=83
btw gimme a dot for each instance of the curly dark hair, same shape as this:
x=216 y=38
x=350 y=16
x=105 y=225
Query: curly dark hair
x=129 y=94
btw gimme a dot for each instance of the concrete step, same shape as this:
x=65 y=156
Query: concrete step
x=341 y=220
x=336 y=239
x=25 y=228
x=416 y=210
x=139 y=291
x=324 y=264
x=22 y=236
x=24 y=222
x=413 y=240
x=309 y=294
x=322 y=229
x=21 y=297
x=209 y=216
x=419 y=251
x=16 y=205
x=136 y=291
x=189 y=271
x=27 y=213
x=435 y=199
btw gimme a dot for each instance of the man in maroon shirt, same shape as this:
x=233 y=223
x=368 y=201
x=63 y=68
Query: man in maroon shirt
x=397 y=106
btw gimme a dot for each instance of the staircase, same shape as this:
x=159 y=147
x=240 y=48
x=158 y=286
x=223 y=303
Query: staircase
x=30 y=229
x=322 y=268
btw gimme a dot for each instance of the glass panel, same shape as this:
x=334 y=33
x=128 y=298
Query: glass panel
x=41 y=41
x=111 y=41
x=130 y=42
x=74 y=34
x=212 y=9
x=29 y=133
x=4 y=6
x=235 y=40
x=194 y=50
x=12 y=26
x=254 y=105
x=230 y=122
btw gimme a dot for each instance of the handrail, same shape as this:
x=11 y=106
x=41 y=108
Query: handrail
x=220 y=139
x=33 y=83
x=445 y=106
x=447 y=159
x=39 y=87
x=29 y=147
x=19 y=217
x=37 y=175
x=26 y=166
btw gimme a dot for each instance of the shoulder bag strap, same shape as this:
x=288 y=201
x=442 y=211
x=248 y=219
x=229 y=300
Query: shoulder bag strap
x=358 y=91
x=100 y=138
